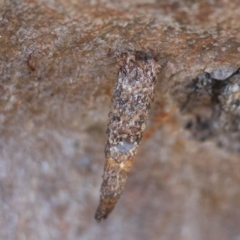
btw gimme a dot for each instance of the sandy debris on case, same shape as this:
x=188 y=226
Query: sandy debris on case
x=131 y=100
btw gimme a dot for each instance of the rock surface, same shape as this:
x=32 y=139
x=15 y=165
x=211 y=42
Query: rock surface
x=58 y=66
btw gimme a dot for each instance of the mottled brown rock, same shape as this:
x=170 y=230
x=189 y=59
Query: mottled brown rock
x=58 y=63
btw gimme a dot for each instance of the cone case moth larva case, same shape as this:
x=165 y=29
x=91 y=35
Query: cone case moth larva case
x=132 y=97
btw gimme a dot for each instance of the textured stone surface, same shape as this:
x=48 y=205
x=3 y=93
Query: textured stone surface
x=57 y=71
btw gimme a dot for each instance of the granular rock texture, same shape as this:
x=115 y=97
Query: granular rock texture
x=58 y=63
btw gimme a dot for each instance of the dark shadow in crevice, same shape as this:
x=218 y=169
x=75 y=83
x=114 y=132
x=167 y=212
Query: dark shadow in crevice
x=212 y=108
